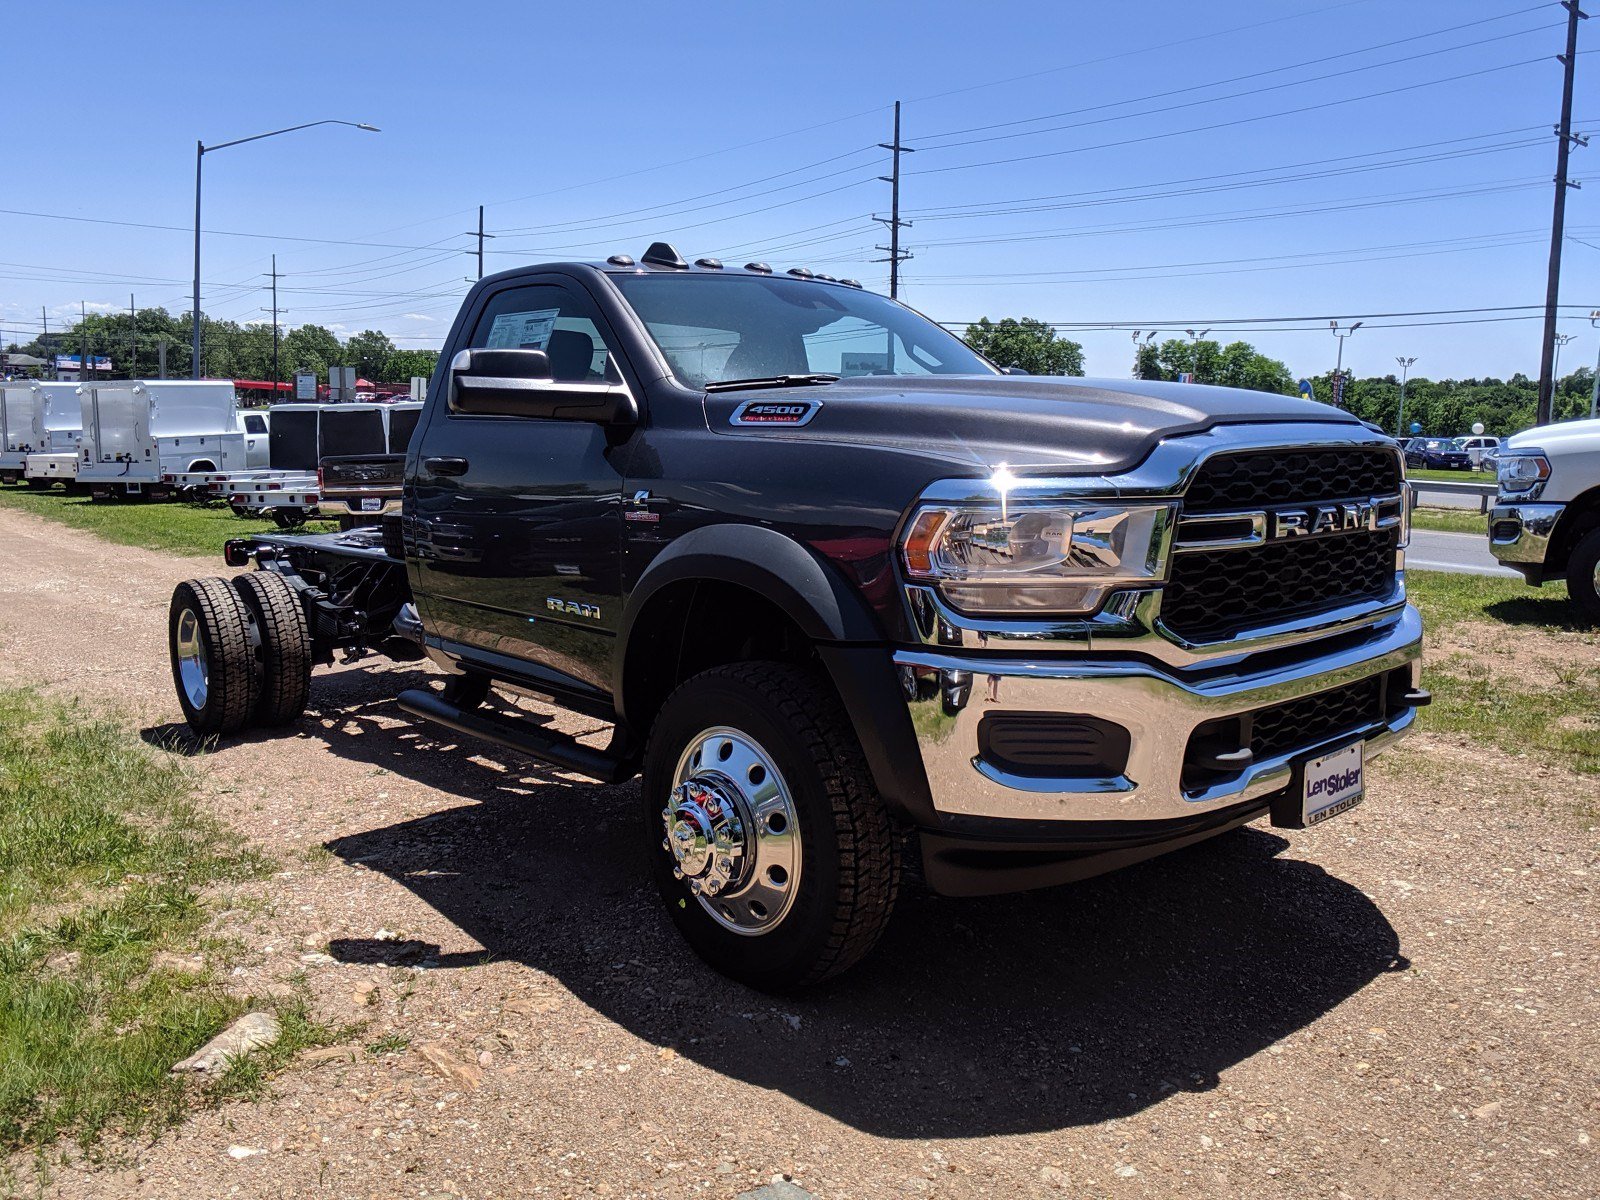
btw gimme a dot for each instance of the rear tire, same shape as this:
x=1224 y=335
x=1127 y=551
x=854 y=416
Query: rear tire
x=213 y=662
x=285 y=650
x=812 y=879
x=1583 y=575
x=40 y=485
x=286 y=517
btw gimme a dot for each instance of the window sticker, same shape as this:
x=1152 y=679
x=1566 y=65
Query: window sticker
x=523 y=330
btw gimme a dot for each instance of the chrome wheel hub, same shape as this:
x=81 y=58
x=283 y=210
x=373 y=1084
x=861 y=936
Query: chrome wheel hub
x=190 y=651
x=731 y=830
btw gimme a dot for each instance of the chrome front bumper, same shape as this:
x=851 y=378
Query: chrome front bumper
x=1520 y=533
x=1158 y=706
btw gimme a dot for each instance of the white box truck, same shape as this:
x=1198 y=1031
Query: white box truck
x=137 y=431
x=17 y=400
x=57 y=432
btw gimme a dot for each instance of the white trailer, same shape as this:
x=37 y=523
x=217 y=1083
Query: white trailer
x=137 y=431
x=57 y=432
x=17 y=401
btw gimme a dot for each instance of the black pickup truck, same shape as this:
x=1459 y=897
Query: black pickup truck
x=845 y=591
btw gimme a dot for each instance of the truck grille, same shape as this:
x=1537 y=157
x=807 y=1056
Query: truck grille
x=1217 y=594
x=1260 y=478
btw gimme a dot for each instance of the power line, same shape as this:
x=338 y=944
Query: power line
x=1275 y=87
x=1288 y=112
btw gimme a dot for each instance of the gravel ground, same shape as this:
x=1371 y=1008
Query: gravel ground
x=1400 y=1004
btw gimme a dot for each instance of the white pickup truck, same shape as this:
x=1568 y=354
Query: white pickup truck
x=1546 y=519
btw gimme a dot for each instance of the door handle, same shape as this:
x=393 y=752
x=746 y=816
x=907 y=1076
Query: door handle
x=445 y=466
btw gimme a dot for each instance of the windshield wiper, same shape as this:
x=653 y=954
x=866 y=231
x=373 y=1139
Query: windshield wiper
x=770 y=381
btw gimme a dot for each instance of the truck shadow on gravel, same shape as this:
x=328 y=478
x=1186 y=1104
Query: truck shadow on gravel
x=1006 y=1015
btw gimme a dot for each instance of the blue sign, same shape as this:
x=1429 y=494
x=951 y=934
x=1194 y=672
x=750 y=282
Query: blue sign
x=1306 y=391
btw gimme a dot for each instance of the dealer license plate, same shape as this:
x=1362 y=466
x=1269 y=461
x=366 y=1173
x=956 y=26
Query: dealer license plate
x=371 y=504
x=1334 y=783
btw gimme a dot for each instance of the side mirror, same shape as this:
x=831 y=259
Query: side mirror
x=517 y=383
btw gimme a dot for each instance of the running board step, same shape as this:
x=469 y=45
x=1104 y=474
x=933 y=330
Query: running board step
x=557 y=749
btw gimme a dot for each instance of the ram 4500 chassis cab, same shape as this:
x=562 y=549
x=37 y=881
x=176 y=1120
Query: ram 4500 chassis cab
x=844 y=590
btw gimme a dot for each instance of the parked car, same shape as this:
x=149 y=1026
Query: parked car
x=1546 y=518
x=1477 y=447
x=1438 y=454
x=1029 y=629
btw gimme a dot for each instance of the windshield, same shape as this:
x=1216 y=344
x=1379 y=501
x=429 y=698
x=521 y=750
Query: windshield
x=720 y=328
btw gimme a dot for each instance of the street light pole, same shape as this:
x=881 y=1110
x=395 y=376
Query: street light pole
x=1405 y=367
x=1594 y=396
x=1338 y=367
x=200 y=152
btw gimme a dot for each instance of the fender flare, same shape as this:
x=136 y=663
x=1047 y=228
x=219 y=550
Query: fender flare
x=773 y=565
x=830 y=612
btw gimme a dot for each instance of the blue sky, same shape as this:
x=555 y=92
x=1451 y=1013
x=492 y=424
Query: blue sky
x=1076 y=162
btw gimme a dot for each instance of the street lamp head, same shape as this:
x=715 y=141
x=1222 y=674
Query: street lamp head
x=368 y=128
x=1356 y=326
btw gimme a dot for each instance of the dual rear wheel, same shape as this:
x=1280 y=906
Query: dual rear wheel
x=241 y=652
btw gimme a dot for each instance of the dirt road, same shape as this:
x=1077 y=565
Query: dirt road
x=1405 y=1003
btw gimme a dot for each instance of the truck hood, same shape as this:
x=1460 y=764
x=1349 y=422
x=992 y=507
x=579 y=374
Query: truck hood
x=1033 y=425
x=1559 y=438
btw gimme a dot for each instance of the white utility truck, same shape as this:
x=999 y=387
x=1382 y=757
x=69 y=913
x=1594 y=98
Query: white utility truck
x=135 y=432
x=17 y=400
x=57 y=432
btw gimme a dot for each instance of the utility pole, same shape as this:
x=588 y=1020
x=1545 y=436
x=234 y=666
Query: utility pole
x=133 y=339
x=83 y=332
x=1405 y=367
x=275 y=376
x=480 y=235
x=896 y=255
x=44 y=338
x=1558 y=218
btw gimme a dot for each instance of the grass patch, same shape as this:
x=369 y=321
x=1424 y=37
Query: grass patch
x=102 y=857
x=1515 y=672
x=1450 y=520
x=1447 y=598
x=197 y=530
x=1450 y=476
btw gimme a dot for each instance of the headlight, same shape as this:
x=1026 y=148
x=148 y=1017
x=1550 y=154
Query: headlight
x=1520 y=471
x=1027 y=557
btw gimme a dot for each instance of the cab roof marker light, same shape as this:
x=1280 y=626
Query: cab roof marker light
x=855 y=283
x=760 y=268
x=710 y=264
x=621 y=260
x=801 y=273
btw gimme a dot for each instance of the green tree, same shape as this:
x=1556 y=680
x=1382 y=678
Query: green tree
x=403 y=364
x=1026 y=343
x=369 y=353
x=310 y=348
x=1238 y=364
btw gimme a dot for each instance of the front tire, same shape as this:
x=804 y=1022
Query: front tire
x=213 y=661
x=1583 y=575
x=768 y=841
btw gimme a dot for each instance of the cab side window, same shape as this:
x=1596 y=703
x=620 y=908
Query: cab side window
x=549 y=317
x=254 y=423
